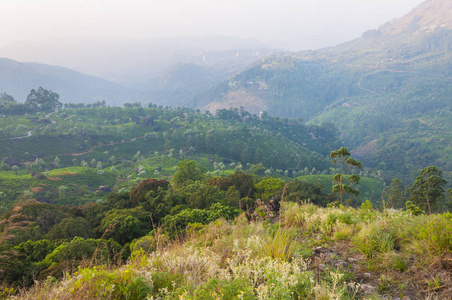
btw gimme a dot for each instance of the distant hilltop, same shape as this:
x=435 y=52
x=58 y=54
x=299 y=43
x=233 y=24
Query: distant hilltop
x=429 y=16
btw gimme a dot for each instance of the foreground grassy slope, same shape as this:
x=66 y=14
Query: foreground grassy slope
x=309 y=253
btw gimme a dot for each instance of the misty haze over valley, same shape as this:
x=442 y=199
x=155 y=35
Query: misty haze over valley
x=119 y=42
x=219 y=149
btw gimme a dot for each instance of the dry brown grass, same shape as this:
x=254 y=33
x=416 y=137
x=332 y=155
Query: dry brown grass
x=36 y=190
x=54 y=179
x=66 y=173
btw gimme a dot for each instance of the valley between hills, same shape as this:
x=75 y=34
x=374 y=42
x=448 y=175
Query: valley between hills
x=226 y=169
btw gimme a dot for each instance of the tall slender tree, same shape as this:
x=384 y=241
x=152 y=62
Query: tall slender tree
x=345 y=179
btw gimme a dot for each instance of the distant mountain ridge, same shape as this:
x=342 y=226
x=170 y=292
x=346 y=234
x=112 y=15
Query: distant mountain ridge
x=17 y=79
x=164 y=71
x=134 y=62
x=424 y=49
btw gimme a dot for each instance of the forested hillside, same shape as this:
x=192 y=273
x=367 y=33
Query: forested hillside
x=125 y=145
x=321 y=174
x=388 y=92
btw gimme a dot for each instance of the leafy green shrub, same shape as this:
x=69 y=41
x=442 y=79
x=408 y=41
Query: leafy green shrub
x=165 y=282
x=331 y=219
x=218 y=210
x=367 y=205
x=150 y=194
x=146 y=243
x=347 y=218
x=69 y=228
x=413 y=208
x=124 y=225
x=103 y=251
x=176 y=223
x=35 y=251
x=100 y=283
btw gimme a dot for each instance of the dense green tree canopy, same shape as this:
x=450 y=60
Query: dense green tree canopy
x=187 y=172
x=124 y=225
x=6 y=99
x=395 y=194
x=428 y=189
x=43 y=99
x=302 y=191
x=243 y=182
x=69 y=228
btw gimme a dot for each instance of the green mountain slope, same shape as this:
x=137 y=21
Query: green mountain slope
x=388 y=92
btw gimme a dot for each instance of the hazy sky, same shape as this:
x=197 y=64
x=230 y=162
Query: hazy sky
x=267 y=20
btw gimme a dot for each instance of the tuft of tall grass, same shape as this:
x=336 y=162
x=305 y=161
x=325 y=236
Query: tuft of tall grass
x=294 y=216
x=280 y=245
x=343 y=231
x=373 y=239
x=436 y=235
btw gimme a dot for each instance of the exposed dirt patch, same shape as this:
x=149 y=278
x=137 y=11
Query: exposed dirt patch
x=68 y=173
x=418 y=281
x=422 y=121
x=36 y=190
x=54 y=179
x=365 y=150
x=236 y=99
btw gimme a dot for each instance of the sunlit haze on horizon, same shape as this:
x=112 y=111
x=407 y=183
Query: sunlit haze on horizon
x=326 y=22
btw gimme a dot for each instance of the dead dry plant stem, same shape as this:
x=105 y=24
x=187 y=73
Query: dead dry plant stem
x=282 y=200
x=152 y=221
x=428 y=204
x=110 y=227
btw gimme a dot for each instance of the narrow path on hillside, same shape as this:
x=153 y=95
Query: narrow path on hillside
x=94 y=147
x=367 y=90
x=30 y=132
x=299 y=157
x=293 y=150
x=97 y=146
